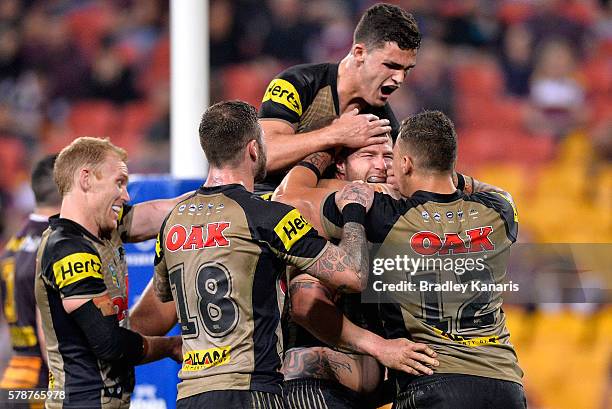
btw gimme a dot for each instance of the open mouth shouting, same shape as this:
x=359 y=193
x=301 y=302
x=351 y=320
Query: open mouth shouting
x=387 y=90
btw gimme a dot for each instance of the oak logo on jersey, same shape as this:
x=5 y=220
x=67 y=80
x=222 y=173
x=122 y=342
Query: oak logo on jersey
x=284 y=93
x=199 y=237
x=291 y=228
x=476 y=240
x=76 y=267
x=206 y=358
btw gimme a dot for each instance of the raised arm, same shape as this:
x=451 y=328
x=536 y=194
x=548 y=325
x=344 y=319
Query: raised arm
x=351 y=129
x=345 y=266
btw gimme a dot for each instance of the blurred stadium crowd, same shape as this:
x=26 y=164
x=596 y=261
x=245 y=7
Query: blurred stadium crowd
x=527 y=82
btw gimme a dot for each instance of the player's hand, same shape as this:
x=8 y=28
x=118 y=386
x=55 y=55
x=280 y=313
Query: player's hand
x=357 y=130
x=387 y=189
x=355 y=192
x=404 y=355
x=177 y=348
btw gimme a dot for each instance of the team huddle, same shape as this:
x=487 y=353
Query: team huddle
x=267 y=266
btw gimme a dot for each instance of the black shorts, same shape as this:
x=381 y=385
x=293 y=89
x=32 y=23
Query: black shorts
x=456 y=391
x=311 y=393
x=232 y=399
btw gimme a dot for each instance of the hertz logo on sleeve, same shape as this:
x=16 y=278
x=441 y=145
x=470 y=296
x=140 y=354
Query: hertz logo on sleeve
x=76 y=267
x=291 y=228
x=283 y=92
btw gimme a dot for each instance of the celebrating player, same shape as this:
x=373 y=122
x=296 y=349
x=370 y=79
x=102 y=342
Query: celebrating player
x=356 y=90
x=461 y=242
x=332 y=341
x=81 y=287
x=221 y=255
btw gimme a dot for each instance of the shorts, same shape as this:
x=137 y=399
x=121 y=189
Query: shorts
x=311 y=393
x=456 y=391
x=234 y=399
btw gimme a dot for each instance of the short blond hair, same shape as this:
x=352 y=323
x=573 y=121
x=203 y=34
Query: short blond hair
x=83 y=151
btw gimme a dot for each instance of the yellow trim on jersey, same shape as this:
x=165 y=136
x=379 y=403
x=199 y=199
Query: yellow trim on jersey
x=205 y=358
x=291 y=228
x=76 y=267
x=158 y=247
x=23 y=336
x=266 y=196
x=511 y=204
x=469 y=342
x=284 y=93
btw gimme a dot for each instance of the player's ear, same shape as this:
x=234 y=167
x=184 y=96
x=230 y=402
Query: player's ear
x=359 y=52
x=407 y=165
x=84 y=179
x=252 y=150
x=341 y=169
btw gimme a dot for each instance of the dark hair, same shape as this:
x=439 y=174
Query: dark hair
x=225 y=130
x=383 y=23
x=45 y=190
x=431 y=137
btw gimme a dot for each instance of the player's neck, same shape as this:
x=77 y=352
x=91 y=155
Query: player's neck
x=434 y=183
x=348 y=87
x=75 y=209
x=227 y=176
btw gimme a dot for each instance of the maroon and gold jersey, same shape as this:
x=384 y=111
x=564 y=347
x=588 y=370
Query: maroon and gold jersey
x=17 y=270
x=223 y=252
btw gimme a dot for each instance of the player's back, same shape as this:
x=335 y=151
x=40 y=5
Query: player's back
x=446 y=257
x=225 y=280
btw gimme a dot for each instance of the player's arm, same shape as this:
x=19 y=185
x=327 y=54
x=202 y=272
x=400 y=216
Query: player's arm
x=299 y=188
x=312 y=307
x=110 y=342
x=345 y=266
x=40 y=334
x=470 y=185
x=148 y=216
x=351 y=129
x=150 y=316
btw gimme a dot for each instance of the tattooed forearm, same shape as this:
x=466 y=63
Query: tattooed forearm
x=314 y=363
x=320 y=159
x=345 y=266
x=161 y=286
x=355 y=244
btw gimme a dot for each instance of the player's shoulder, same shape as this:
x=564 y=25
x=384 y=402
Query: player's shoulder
x=66 y=237
x=303 y=74
x=500 y=202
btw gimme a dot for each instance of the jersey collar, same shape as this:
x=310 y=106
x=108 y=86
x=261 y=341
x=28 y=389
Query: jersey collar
x=437 y=197
x=333 y=82
x=56 y=221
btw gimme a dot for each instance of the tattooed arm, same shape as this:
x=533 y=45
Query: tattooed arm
x=299 y=188
x=346 y=266
x=161 y=285
x=470 y=185
x=312 y=308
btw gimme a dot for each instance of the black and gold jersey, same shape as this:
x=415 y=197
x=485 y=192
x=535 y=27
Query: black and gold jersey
x=73 y=263
x=17 y=271
x=441 y=262
x=223 y=252
x=303 y=95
